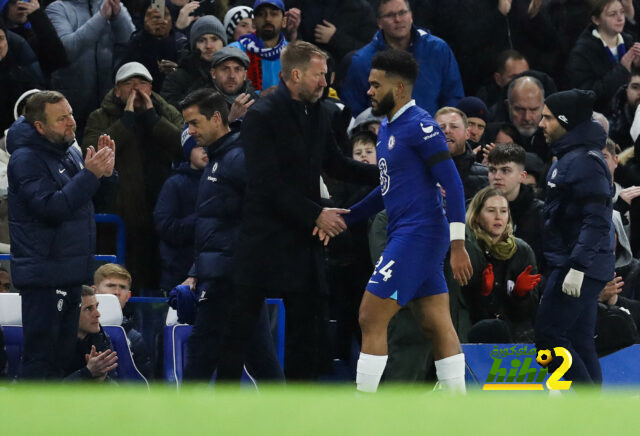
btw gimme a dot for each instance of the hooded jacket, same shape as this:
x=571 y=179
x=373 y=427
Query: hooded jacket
x=621 y=119
x=578 y=225
x=50 y=211
x=438 y=82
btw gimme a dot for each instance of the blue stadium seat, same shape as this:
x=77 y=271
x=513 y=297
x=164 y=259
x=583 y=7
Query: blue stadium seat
x=127 y=370
x=13 y=345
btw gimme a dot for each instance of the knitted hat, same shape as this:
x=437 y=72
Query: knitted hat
x=205 y=25
x=571 y=107
x=233 y=17
x=473 y=107
x=188 y=143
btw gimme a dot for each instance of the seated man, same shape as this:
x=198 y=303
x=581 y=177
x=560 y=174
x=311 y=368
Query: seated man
x=114 y=279
x=93 y=358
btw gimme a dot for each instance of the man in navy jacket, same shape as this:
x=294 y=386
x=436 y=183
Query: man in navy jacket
x=52 y=227
x=579 y=233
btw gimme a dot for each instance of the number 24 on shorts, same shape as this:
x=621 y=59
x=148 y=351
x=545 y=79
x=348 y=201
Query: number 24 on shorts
x=386 y=270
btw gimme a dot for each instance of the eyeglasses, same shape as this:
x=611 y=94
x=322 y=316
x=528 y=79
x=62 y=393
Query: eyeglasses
x=393 y=15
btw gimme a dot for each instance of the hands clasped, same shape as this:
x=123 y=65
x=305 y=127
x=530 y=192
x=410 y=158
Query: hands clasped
x=101 y=162
x=329 y=224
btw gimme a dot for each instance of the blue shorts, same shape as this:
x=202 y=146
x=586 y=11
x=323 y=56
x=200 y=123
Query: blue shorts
x=408 y=270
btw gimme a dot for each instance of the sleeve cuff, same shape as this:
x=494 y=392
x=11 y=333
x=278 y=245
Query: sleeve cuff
x=456 y=230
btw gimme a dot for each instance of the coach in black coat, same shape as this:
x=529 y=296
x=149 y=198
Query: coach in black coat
x=287 y=141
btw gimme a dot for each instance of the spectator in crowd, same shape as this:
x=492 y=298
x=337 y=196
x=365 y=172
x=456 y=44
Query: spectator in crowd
x=92 y=358
x=503 y=289
x=5 y=280
x=477 y=115
x=156 y=46
x=365 y=121
x=229 y=75
x=507 y=173
x=148 y=130
x=114 y=279
x=509 y=64
x=52 y=227
x=276 y=252
x=207 y=36
x=19 y=72
x=93 y=34
x=175 y=214
x=625 y=103
x=454 y=125
x=337 y=26
x=219 y=206
x=578 y=232
x=265 y=46
x=238 y=21
x=438 y=82
x=602 y=57
x=29 y=21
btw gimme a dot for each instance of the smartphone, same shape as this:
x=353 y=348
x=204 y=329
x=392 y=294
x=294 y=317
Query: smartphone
x=159 y=5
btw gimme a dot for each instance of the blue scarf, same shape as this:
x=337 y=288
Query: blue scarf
x=253 y=44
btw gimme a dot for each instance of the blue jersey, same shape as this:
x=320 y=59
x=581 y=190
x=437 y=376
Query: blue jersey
x=413 y=157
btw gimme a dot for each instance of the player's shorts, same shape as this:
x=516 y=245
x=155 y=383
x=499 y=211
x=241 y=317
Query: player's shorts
x=408 y=269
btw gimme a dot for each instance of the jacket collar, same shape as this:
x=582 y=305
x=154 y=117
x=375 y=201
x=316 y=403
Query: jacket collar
x=588 y=134
x=222 y=145
x=416 y=33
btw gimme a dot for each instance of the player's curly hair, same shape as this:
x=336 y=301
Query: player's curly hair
x=397 y=62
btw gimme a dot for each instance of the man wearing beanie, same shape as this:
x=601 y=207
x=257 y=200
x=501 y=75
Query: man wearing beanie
x=207 y=36
x=578 y=236
x=477 y=114
x=147 y=130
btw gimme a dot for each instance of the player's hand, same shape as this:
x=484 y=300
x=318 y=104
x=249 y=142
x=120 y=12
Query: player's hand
x=572 y=283
x=324 y=238
x=192 y=282
x=331 y=222
x=611 y=290
x=240 y=106
x=460 y=263
x=99 y=364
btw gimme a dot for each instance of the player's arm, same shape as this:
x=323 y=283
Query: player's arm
x=368 y=206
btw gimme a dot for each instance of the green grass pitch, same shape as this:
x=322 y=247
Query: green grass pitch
x=309 y=410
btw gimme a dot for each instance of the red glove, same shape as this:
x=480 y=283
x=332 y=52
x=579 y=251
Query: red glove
x=526 y=282
x=487 y=280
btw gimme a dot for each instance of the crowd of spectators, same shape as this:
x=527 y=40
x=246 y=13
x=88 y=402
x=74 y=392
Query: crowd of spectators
x=485 y=67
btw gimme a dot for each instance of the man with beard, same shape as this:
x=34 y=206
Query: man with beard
x=265 y=46
x=455 y=127
x=287 y=141
x=625 y=103
x=52 y=227
x=229 y=75
x=414 y=161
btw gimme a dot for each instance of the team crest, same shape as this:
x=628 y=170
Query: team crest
x=392 y=142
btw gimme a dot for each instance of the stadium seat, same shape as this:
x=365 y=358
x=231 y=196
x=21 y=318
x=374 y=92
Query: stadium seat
x=10 y=309
x=110 y=310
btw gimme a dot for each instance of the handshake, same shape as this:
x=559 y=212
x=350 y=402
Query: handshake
x=330 y=224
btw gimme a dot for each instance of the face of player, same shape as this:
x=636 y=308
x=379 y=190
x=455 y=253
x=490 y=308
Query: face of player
x=313 y=80
x=269 y=22
x=525 y=109
x=633 y=92
x=244 y=26
x=60 y=127
x=612 y=161
x=204 y=131
x=208 y=44
x=229 y=76
x=117 y=286
x=494 y=216
x=457 y=134
x=124 y=89
x=551 y=126
x=89 y=321
x=476 y=128
x=611 y=19
x=364 y=152
x=380 y=93
x=395 y=19
x=199 y=158
x=507 y=177
x=512 y=68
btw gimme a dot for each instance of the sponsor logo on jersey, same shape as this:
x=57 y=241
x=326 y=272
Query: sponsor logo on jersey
x=385 y=181
x=436 y=133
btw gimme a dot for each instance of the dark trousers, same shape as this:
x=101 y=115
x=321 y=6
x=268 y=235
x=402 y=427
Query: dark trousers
x=204 y=346
x=570 y=322
x=303 y=333
x=50 y=329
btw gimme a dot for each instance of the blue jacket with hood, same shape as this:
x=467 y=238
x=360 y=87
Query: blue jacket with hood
x=438 y=84
x=51 y=220
x=579 y=231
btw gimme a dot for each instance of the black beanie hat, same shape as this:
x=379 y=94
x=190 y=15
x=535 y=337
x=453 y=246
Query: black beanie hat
x=571 y=107
x=473 y=107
